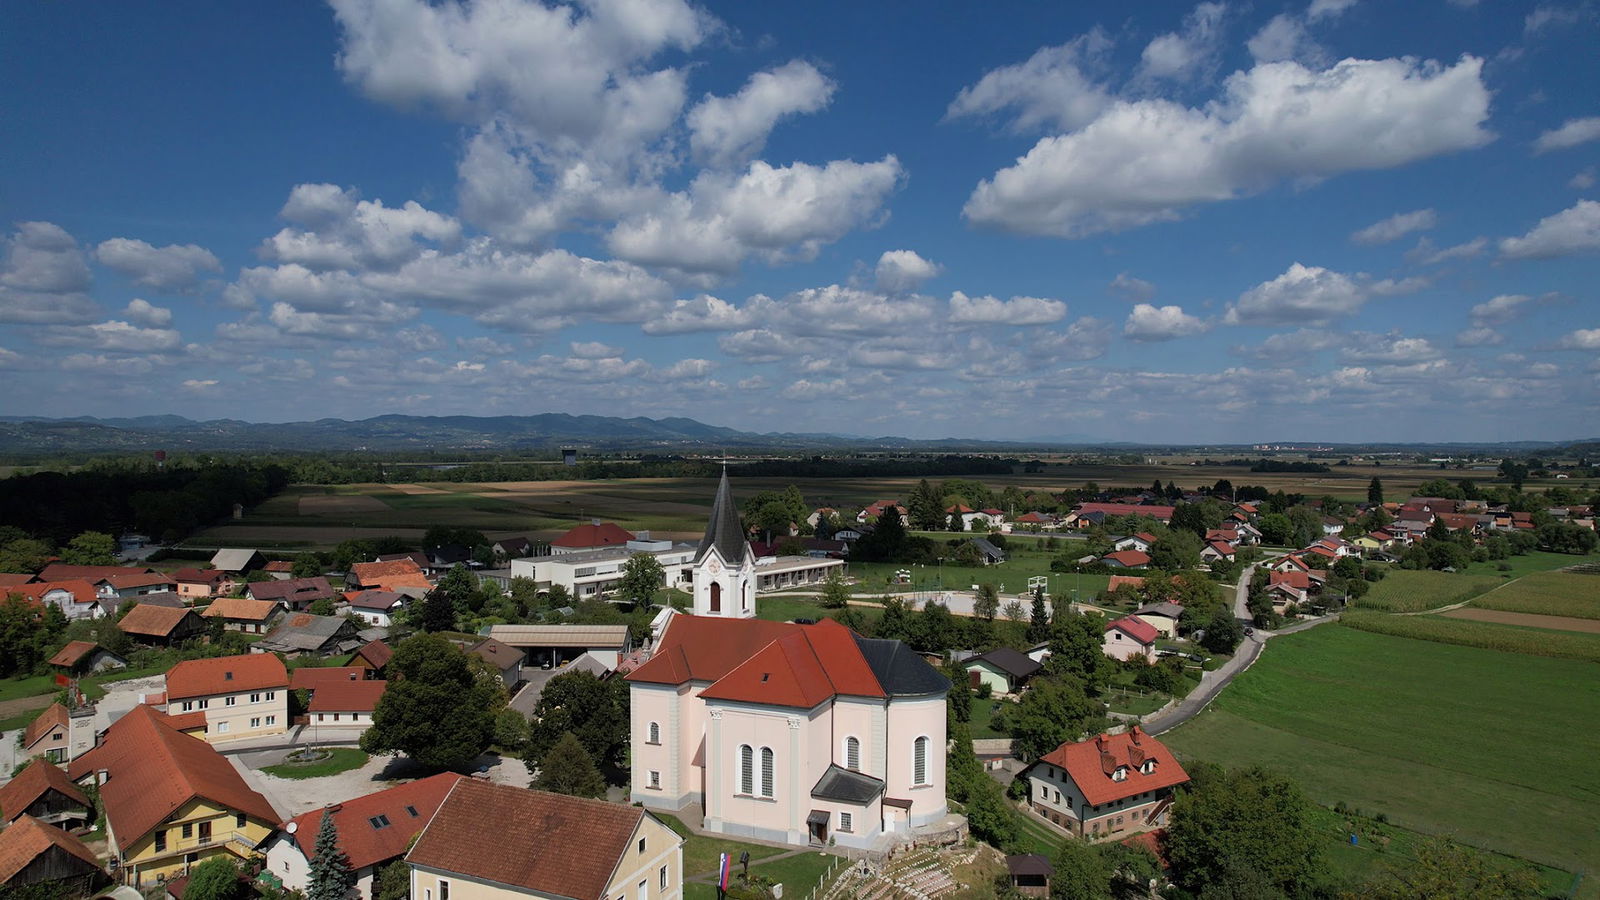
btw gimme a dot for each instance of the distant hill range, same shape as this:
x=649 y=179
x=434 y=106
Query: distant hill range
x=27 y=434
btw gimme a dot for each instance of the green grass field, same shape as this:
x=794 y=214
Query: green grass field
x=341 y=759
x=1548 y=594
x=1484 y=635
x=1407 y=590
x=1494 y=748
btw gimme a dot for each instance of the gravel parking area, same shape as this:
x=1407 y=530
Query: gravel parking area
x=291 y=797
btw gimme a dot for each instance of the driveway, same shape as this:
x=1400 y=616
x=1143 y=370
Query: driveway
x=291 y=797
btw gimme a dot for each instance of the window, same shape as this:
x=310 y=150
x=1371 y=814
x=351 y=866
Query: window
x=255 y=721
x=222 y=726
x=919 y=761
x=1148 y=766
x=161 y=841
x=663 y=879
x=188 y=705
x=654 y=733
x=205 y=704
x=238 y=820
x=1120 y=774
x=846 y=821
x=255 y=698
x=444 y=889
x=380 y=821
x=205 y=832
x=412 y=811
x=188 y=830
x=655 y=779
x=271 y=694
x=641 y=845
x=322 y=717
x=852 y=754
x=766 y=771
x=1044 y=792
x=716 y=597
x=747 y=770
x=229 y=701
x=1058 y=796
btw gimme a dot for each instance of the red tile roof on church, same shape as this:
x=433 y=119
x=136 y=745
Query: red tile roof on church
x=751 y=660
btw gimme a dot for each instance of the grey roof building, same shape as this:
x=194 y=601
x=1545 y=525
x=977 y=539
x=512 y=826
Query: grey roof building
x=303 y=634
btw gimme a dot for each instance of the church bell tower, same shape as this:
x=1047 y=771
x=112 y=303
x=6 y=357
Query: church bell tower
x=724 y=567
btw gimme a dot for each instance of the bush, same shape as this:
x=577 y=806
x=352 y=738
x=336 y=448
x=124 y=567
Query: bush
x=985 y=690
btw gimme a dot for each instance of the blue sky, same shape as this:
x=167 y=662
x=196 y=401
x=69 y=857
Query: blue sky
x=1336 y=220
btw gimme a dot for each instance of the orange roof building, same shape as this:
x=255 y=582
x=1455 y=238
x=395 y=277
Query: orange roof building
x=243 y=696
x=592 y=536
x=1110 y=786
x=244 y=614
x=587 y=849
x=45 y=792
x=166 y=625
x=389 y=575
x=169 y=797
x=34 y=853
x=373 y=830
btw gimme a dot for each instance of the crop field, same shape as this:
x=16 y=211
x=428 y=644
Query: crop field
x=1495 y=749
x=1548 y=594
x=1510 y=638
x=1526 y=620
x=1408 y=590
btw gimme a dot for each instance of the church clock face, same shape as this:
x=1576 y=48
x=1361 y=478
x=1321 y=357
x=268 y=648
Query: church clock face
x=715 y=567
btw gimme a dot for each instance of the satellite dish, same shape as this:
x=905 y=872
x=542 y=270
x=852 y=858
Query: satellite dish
x=292 y=827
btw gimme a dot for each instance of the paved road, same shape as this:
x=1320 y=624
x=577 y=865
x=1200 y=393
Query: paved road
x=1241 y=594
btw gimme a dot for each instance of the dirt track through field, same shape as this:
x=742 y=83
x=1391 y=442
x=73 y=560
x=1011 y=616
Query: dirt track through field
x=1530 y=620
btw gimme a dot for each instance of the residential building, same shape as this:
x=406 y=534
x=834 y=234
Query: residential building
x=513 y=548
x=37 y=859
x=1217 y=551
x=162 y=626
x=585 y=849
x=58 y=734
x=201 y=584
x=244 y=614
x=347 y=704
x=171 y=801
x=388 y=575
x=295 y=594
x=76 y=598
x=1110 y=786
x=1003 y=669
x=116 y=588
x=503 y=658
x=1081 y=514
x=242 y=696
x=237 y=562
x=281 y=569
x=378 y=608
x=988 y=552
x=43 y=791
x=303 y=634
x=64 y=572
x=1029 y=874
x=1126 y=559
x=1163 y=617
x=1141 y=542
x=374 y=830
x=373 y=657
x=85 y=657
x=802 y=734
x=1130 y=637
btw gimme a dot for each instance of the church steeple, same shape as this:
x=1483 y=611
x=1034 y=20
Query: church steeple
x=724 y=530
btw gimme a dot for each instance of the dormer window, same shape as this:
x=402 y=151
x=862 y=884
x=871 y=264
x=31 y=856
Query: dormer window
x=1148 y=767
x=1120 y=773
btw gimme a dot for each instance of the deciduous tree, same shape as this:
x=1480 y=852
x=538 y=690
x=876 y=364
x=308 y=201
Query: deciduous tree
x=594 y=711
x=91 y=548
x=436 y=710
x=1053 y=710
x=568 y=769
x=1246 y=826
x=214 y=879
x=642 y=576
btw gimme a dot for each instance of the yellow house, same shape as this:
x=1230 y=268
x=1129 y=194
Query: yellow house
x=575 y=848
x=171 y=801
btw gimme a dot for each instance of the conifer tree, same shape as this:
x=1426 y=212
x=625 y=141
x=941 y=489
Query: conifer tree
x=331 y=878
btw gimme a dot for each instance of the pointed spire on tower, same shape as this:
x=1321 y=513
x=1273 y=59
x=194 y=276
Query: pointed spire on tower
x=724 y=531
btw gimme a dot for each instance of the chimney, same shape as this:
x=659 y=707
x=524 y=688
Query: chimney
x=1100 y=742
x=1135 y=734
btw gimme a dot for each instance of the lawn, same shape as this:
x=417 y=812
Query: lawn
x=1494 y=748
x=983 y=716
x=1407 y=590
x=1548 y=594
x=700 y=851
x=340 y=759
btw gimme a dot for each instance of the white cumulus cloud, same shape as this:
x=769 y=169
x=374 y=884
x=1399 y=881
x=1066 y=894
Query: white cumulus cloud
x=903 y=270
x=1049 y=90
x=1573 y=230
x=44 y=277
x=1303 y=294
x=729 y=131
x=171 y=268
x=1149 y=160
x=142 y=312
x=1016 y=311
x=1187 y=52
x=1582 y=339
x=1571 y=133
x=1161 y=323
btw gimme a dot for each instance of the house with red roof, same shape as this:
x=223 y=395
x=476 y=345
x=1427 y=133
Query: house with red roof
x=76 y=598
x=577 y=848
x=1126 y=559
x=1141 y=542
x=242 y=696
x=1130 y=637
x=595 y=535
x=170 y=800
x=373 y=830
x=875 y=511
x=346 y=704
x=201 y=584
x=800 y=734
x=1217 y=551
x=83 y=657
x=116 y=588
x=1111 y=786
x=44 y=791
x=59 y=734
x=37 y=859
x=1085 y=514
x=388 y=575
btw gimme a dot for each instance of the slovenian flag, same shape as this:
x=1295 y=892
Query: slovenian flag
x=723 y=869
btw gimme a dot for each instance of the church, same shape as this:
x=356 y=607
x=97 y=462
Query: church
x=802 y=734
